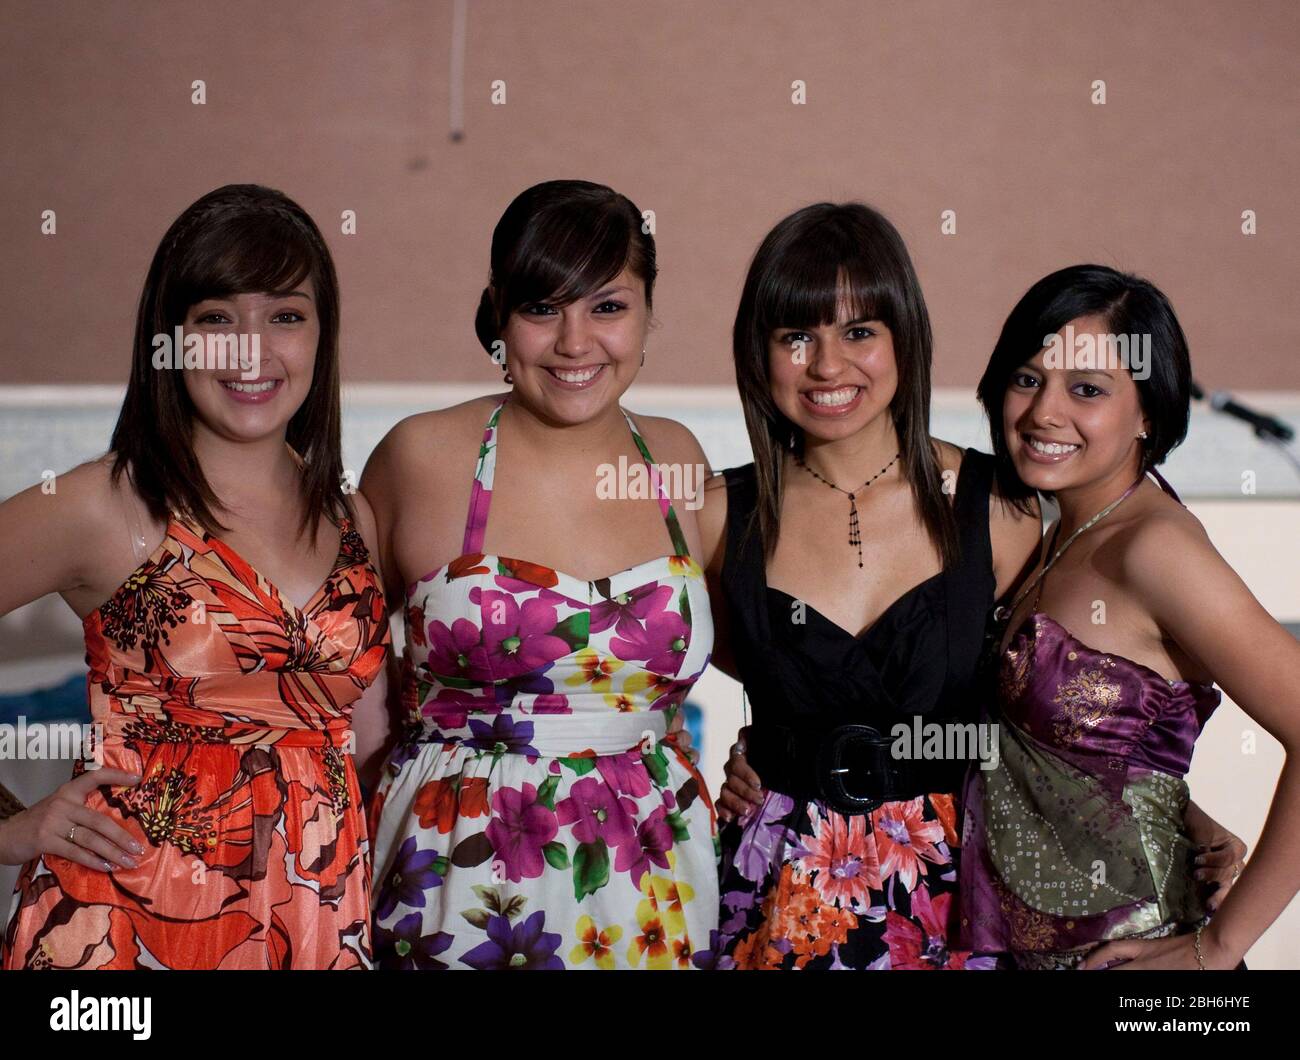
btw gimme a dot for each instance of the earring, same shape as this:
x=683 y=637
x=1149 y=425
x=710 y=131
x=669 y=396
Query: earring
x=643 y=355
x=1142 y=435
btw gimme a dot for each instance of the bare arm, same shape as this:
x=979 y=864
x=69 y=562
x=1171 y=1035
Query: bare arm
x=1215 y=619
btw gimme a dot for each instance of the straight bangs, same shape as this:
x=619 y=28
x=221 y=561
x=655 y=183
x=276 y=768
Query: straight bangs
x=811 y=282
x=237 y=254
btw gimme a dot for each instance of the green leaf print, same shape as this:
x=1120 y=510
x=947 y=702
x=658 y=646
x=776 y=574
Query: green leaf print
x=546 y=793
x=580 y=766
x=574 y=630
x=478 y=917
x=681 y=832
x=684 y=605
x=440 y=865
x=590 y=868
x=556 y=855
x=656 y=764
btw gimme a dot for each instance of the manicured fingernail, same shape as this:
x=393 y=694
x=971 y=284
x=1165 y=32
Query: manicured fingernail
x=136 y=848
x=106 y=866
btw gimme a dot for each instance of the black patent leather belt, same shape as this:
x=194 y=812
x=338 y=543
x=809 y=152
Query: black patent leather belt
x=850 y=768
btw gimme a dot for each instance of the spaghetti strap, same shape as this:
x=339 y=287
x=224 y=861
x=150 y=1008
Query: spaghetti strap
x=680 y=548
x=1163 y=483
x=480 y=500
x=480 y=496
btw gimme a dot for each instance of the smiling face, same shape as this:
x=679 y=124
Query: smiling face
x=571 y=362
x=1069 y=427
x=234 y=403
x=831 y=381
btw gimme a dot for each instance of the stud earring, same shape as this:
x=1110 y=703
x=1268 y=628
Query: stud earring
x=1142 y=435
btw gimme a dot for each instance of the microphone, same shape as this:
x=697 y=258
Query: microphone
x=1265 y=426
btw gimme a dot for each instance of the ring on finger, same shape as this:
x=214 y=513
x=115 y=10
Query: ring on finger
x=70 y=832
x=737 y=750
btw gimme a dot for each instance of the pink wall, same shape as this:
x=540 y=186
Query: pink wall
x=916 y=107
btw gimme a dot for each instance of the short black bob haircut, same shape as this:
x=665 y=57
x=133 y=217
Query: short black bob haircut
x=1129 y=305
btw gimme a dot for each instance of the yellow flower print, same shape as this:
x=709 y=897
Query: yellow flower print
x=654 y=685
x=594 y=942
x=593 y=670
x=684 y=565
x=665 y=897
x=652 y=943
x=621 y=702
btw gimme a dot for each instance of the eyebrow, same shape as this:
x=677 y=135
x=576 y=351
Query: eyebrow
x=607 y=292
x=1091 y=371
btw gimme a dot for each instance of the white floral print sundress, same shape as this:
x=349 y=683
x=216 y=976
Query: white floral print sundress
x=534 y=814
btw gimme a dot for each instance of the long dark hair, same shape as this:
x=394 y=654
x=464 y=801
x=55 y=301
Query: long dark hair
x=803 y=269
x=240 y=238
x=1129 y=305
x=558 y=241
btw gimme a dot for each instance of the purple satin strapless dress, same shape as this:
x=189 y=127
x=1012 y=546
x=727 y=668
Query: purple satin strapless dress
x=1075 y=838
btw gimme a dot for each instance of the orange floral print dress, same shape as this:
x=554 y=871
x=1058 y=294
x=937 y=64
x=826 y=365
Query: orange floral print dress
x=234 y=707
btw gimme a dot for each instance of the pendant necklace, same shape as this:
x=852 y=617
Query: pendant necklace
x=855 y=534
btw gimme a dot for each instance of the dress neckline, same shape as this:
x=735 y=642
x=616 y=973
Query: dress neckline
x=874 y=624
x=175 y=518
x=1033 y=618
x=481 y=501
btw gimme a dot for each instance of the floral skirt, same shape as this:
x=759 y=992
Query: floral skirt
x=803 y=886
x=254 y=857
x=491 y=859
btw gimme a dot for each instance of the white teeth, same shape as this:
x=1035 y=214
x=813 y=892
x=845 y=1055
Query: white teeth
x=834 y=397
x=1051 y=448
x=251 y=388
x=580 y=376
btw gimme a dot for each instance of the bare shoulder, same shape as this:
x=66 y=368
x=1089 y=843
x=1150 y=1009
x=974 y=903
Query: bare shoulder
x=1163 y=543
x=86 y=498
x=405 y=450
x=670 y=442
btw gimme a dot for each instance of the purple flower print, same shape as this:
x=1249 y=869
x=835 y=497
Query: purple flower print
x=758 y=851
x=626 y=611
x=519 y=828
x=411 y=875
x=503 y=736
x=713 y=959
x=625 y=773
x=456 y=651
x=451 y=707
x=517 y=638
x=520 y=948
x=597 y=812
x=654 y=838
x=404 y=948
x=538 y=685
x=663 y=643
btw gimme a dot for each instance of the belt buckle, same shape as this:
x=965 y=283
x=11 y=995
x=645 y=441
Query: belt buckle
x=833 y=775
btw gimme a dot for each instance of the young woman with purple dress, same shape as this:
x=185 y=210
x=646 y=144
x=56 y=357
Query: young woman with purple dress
x=1076 y=852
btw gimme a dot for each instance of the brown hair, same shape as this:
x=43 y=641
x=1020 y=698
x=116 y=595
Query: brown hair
x=239 y=238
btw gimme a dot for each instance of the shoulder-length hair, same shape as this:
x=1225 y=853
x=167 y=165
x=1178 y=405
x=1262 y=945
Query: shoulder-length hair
x=807 y=267
x=557 y=242
x=1130 y=306
x=237 y=239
